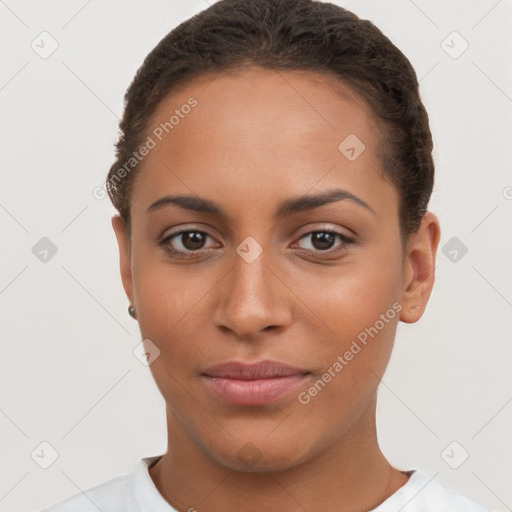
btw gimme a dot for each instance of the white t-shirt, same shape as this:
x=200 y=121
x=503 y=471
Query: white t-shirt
x=136 y=492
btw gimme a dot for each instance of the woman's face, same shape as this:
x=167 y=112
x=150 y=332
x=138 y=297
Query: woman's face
x=274 y=274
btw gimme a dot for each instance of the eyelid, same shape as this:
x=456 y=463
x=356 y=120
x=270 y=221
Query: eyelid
x=333 y=228
x=175 y=234
x=185 y=228
x=176 y=230
x=346 y=241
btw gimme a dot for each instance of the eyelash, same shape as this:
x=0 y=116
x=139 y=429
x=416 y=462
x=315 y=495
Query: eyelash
x=191 y=254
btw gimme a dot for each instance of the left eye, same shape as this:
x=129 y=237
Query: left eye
x=324 y=240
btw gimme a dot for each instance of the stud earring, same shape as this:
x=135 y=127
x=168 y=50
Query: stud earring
x=131 y=311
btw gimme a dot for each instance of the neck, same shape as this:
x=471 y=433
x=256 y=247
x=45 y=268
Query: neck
x=351 y=474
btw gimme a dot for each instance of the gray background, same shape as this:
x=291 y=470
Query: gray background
x=68 y=374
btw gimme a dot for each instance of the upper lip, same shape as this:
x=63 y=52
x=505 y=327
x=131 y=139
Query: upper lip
x=251 y=371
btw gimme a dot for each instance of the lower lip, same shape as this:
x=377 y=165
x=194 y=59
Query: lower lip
x=254 y=392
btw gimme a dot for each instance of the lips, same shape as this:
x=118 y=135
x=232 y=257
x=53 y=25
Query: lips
x=257 y=370
x=257 y=383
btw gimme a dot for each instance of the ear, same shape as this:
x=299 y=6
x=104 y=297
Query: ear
x=419 y=268
x=124 y=255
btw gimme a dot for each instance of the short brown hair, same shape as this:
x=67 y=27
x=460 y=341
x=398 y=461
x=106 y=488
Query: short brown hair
x=290 y=35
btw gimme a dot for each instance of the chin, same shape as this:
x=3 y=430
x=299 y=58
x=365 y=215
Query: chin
x=258 y=456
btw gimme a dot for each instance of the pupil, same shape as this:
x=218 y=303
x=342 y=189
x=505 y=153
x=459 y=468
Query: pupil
x=323 y=240
x=193 y=240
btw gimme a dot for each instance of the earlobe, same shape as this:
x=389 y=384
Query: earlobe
x=419 y=268
x=124 y=255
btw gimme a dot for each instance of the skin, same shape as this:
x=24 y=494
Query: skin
x=256 y=138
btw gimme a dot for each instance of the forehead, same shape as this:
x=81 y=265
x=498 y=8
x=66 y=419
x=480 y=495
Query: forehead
x=260 y=129
x=268 y=103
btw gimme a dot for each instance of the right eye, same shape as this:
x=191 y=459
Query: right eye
x=185 y=243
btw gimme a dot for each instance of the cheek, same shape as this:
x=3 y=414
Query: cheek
x=169 y=306
x=354 y=297
x=164 y=292
x=359 y=310
x=174 y=308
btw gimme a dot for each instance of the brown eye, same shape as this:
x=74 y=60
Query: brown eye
x=324 y=240
x=185 y=243
x=193 y=240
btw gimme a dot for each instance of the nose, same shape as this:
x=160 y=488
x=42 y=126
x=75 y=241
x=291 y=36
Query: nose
x=252 y=299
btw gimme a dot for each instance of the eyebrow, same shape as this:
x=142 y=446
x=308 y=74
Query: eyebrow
x=286 y=208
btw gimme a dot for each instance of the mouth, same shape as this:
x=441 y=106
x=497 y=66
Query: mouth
x=257 y=383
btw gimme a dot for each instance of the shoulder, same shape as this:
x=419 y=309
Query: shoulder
x=107 y=496
x=425 y=494
x=129 y=492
